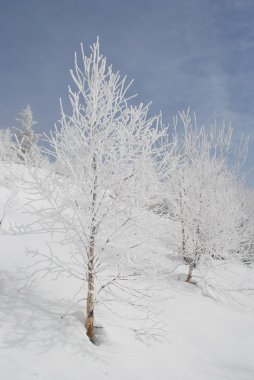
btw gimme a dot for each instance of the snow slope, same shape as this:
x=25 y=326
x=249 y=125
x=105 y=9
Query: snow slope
x=182 y=331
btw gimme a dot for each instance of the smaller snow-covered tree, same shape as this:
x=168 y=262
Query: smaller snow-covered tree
x=7 y=146
x=250 y=212
x=206 y=197
x=27 y=139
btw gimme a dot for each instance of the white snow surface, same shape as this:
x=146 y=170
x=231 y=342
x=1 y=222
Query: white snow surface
x=184 y=332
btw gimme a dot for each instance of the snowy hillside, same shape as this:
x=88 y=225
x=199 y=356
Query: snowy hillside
x=157 y=326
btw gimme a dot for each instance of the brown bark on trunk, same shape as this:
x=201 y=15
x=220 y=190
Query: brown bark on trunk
x=197 y=256
x=189 y=277
x=182 y=224
x=183 y=239
x=90 y=293
x=89 y=324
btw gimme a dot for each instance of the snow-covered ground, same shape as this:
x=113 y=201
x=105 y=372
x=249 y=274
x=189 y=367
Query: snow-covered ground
x=181 y=332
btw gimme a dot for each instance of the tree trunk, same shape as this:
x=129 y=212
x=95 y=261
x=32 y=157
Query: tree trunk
x=89 y=324
x=189 y=277
x=183 y=240
x=90 y=293
x=198 y=254
x=183 y=226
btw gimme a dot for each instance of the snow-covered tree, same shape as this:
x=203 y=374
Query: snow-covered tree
x=7 y=146
x=207 y=198
x=250 y=206
x=27 y=140
x=106 y=153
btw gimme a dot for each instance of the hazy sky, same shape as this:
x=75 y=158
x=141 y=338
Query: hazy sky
x=181 y=53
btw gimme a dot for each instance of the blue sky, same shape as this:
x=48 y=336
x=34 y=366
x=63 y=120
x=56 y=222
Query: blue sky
x=181 y=53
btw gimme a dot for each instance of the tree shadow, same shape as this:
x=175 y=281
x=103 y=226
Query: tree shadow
x=28 y=318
